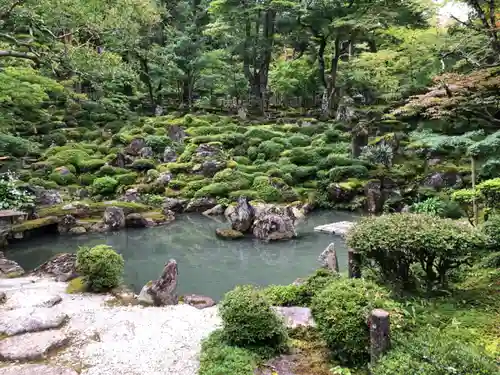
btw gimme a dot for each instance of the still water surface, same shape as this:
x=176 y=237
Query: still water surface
x=207 y=265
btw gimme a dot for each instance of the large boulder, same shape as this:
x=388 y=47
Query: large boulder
x=169 y=155
x=9 y=268
x=146 y=152
x=114 y=218
x=174 y=204
x=176 y=133
x=200 y=204
x=241 y=216
x=62 y=266
x=274 y=226
x=441 y=180
x=136 y=220
x=66 y=223
x=374 y=198
x=164 y=178
x=162 y=292
x=131 y=195
x=215 y=211
x=135 y=146
x=45 y=197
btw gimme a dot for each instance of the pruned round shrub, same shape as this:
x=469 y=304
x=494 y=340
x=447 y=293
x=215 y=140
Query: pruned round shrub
x=491 y=230
x=101 y=267
x=267 y=188
x=62 y=178
x=249 y=321
x=143 y=164
x=342 y=173
x=433 y=352
x=126 y=179
x=91 y=165
x=490 y=190
x=104 y=185
x=341 y=312
x=400 y=243
x=271 y=149
x=217 y=189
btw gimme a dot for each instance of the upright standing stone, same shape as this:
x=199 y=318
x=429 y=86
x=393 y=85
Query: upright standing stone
x=328 y=258
x=380 y=340
x=163 y=290
x=354 y=266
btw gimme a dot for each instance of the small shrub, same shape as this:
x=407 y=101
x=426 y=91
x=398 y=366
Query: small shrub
x=63 y=179
x=339 y=174
x=218 y=189
x=104 y=186
x=398 y=242
x=341 y=313
x=86 y=179
x=267 y=190
x=490 y=190
x=15 y=146
x=91 y=165
x=284 y=295
x=143 y=164
x=157 y=142
x=431 y=206
x=219 y=358
x=270 y=149
x=77 y=285
x=433 y=352
x=299 y=140
x=11 y=196
x=491 y=230
x=249 y=321
x=101 y=267
x=126 y=179
x=491 y=261
x=301 y=156
x=47 y=184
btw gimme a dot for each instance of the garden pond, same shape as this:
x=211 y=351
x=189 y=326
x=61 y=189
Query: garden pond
x=207 y=265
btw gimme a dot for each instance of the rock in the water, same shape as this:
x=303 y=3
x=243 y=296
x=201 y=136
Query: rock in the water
x=200 y=302
x=3 y=298
x=135 y=220
x=135 y=146
x=14 y=322
x=228 y=234
x=59 y=266
x=9 y=268
x=215 y=211
x=241 y=217
x=174 y=204
x=296 y=316
x=66 y=223
x=201 y=204
x=271 y=227
x=169 y=155
x=163 y=290
x=36 y=370
x=328 y=258
x=340 y=228
x=31 y=346
x=114 y=218
x=77 y=230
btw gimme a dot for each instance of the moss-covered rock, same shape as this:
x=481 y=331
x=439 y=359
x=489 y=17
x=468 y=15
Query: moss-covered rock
x=34 y=224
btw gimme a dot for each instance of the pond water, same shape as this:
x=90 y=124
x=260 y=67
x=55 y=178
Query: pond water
x=207 y=265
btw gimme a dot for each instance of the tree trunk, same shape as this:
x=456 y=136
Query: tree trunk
x=474 y=201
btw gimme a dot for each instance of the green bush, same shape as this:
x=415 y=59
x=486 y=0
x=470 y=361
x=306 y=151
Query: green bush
x=299 y=140
x=267 y=189
x=108 y=170
x=250 y=194
x=399 y=244
x=235 y=180
x=70 y=156
x=126 y=179
x=86 y=179
x=11 y=196
x=339 y=174
x=491 y=261
x=301 y=156
x=15 y=146
x=104 y=186
x=217 y=189
x=62 y=179
x=337 y=160
x=101 y=267
x=491 y=230
x=271 y=149
x=261 y=133
x=249 y=321
x=143 y=164
x=219 y=358
x=157 y=142
x=341 y=313
x=490 y=190
x=433 y=352
x=91 y=165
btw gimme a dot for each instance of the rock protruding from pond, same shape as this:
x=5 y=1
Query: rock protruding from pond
x=340 y=228
x=23 y=320
x=136 y=220
x=9 y=268
x=114 y=218
x=200 y=302
x=162 y=292
x=228 y=234
x=266 y=222
x=36 y=370
x=31 y=346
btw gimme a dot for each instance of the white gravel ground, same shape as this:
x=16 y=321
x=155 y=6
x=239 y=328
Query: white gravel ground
x=116 y=340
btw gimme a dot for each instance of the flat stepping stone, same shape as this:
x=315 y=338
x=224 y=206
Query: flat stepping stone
x=31 y=346
x=36 y=370
x=17 y=321
x=296 y=316
x=340 y=228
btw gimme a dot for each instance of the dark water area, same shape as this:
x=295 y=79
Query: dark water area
x=207 y=265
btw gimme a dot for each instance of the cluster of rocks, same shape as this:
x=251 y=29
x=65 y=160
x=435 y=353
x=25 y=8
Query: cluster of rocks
x=9 y=268
x=266 y=222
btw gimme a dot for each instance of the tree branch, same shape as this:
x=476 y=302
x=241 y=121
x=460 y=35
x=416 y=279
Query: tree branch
x=19 y=55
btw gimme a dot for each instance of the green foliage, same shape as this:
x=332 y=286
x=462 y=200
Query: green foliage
x=249 y=321
x=268 y=188
x=434 y=352
x=126 y=179
x=432 y=206
x=271 y=149
x=433 y=245
x=218 y=189
x=15 y=146
x=491 y=230
x=63 y=178
x=219 y=358
x=143 y=164
x=490 y=190
x=339 y=174
x=91 y=165
x=157 y=142
x=104 y=186
x=341 y=313
x=101 y=267
x=11 y=196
